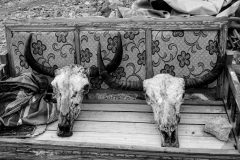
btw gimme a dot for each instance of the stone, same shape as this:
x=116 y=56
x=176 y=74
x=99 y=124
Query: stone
x=219 y=127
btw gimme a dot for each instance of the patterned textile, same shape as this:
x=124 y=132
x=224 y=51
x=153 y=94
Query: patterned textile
x=21 y=102
x=180 y=53
x=48 y=48
x=184 y=53
x=132 y=66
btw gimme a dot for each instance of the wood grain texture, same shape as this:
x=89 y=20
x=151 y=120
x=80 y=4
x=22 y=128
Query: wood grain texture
x=131 y=128
x=3 y=57
x=133 y=125
x=179 y=23
x=138 y=101
x=234 y=102
x=77 y=47
x=10 y=71
x=147 y=108
x=136 y=140
x=234 y=84
x=58 y=149
x=149 y=67
x=141 y=117
x=223 y=45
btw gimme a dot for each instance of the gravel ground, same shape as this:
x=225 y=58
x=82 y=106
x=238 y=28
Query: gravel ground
x=24 y=9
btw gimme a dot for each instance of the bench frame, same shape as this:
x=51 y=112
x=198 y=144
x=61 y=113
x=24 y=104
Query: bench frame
x=228 y=88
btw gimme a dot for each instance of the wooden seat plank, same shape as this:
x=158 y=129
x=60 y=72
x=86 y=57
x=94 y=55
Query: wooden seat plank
x=147 y=108
x=143 y=140
x=130 y=128
x=141 y=117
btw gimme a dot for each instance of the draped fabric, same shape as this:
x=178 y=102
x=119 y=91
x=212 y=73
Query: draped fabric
x=22 y=102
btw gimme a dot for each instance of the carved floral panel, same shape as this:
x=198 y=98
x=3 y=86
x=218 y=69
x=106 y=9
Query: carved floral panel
x=48 y=48
x=184 y=53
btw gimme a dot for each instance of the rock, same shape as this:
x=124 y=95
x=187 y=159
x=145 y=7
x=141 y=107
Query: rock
x=219 y=127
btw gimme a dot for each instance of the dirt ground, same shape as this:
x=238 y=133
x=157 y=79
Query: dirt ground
x=23 y=9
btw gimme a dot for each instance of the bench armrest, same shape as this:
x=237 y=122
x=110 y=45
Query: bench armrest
x=233 y=100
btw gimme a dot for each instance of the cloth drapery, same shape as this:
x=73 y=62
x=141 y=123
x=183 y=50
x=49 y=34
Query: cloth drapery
x=22 y=102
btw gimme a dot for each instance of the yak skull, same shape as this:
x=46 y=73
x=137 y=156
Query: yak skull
x=69 y=85
x=164 y=93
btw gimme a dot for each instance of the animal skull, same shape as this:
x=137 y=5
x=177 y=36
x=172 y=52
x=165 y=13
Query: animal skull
x=165 y=94
x=69 y=85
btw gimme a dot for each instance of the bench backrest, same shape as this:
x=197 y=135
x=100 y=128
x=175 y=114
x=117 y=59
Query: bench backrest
x=186 y=48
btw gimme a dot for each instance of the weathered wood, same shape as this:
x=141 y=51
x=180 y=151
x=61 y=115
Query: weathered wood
x=230 y=55
x=233 y=101
x=222 y=47
x=40 y=148
x=131 y=128
x=234 y=84
x=3 y=57
x=141 y=117
x=2 y=70
x=148 y=56
x=138 y=101
x=136 y=140
x=191 y=23
x=10 y=71
x=77 y=59
x=147 y=108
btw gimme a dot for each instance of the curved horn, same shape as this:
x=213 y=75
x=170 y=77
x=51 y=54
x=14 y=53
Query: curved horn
x=138 y=85
x=115 y=62
x=94 y=72
x=115 y=83
x=34 y=64
x=209 y=77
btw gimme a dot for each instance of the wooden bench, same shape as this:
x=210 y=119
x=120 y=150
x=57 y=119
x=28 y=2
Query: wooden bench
x=117 y=124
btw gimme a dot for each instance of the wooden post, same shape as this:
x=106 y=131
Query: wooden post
x=235 y=102
x=10 y=71
x=223 y=45
x=3 y=64
x=149 y=67
x=77 y=47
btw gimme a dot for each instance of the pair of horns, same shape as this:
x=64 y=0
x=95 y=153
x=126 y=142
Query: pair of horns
x=195 y=82
x=93 y=72
x=114 y=83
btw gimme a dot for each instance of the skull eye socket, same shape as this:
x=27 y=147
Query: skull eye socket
x=86 y=89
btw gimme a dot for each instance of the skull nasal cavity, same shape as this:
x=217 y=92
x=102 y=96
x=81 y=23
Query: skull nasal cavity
x=65 y=128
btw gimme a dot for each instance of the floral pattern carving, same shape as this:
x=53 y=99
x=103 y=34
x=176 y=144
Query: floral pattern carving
x=174 y=52
x=61 y=37
x=184 y=53
x=155 y=46
x=212 y=47
x=86 y=55
x=47 y=49
x=119 y=73
x=184 y=59
x=141 y=58
x=131 y=34
x=168 y=69
x=178 y=33
x=112 y=44
x=23 y=62
x=38 y=47
x=96 y=82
